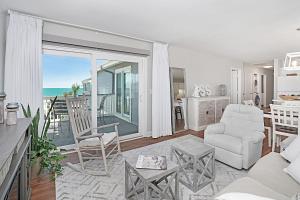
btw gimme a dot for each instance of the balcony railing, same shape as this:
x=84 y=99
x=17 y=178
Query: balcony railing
x=108 y=106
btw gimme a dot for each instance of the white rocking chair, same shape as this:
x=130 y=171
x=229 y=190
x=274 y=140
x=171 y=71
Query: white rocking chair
x=86 y=140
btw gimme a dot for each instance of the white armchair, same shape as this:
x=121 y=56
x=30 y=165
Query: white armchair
x=238 y=137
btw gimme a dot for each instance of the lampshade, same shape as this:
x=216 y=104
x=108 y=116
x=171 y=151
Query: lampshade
x=180 y=94
x=292 y=61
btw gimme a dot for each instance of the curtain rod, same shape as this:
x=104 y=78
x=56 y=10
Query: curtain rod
x=81 y=27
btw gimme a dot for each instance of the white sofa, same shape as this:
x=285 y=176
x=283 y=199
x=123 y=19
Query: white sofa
x=238 y=137
x=266 y=179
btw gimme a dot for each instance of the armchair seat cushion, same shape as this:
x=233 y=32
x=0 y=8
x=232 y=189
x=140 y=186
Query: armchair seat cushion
x=107 y=138
x=226 y=142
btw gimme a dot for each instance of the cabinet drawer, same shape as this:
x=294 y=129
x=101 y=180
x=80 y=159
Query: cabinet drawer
x=220 y=108
x=206 y=113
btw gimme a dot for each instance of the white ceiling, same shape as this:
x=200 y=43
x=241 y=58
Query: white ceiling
x=248 y=30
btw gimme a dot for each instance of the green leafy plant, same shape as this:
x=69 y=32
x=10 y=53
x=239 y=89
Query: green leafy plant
x=75 y=89
x=41 y=146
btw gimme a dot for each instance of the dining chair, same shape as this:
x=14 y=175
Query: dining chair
x=89 y=140
x=285 y=121
x=178 y=110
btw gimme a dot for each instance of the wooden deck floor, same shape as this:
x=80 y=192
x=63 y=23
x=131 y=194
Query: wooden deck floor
x=43 y=188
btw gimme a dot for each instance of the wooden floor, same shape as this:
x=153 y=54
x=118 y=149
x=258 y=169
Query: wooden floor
x=44 y=189
x=179 y=125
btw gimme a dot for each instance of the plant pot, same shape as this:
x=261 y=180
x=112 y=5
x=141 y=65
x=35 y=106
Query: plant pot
x=36 y=168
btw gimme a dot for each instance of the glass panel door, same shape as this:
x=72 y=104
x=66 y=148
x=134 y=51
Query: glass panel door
x=119 y=102
x=127 y=93
x=119 y=93
x=126 y=83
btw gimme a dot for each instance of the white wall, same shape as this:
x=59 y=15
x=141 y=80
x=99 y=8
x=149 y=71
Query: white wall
x=250 y=69
x=82 y=34
x=202 y=68
x=2 y=46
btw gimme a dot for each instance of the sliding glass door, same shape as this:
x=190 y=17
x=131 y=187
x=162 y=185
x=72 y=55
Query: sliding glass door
x=115 y=86
x=118 y=96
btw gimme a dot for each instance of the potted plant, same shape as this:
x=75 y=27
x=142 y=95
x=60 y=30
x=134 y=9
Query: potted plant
x=75 y=89
x=44 y=154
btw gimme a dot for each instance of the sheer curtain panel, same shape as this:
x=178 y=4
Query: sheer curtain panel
x=23 y=70
x=161 y=101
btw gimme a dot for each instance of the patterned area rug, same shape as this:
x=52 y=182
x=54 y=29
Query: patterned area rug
x=75 y=185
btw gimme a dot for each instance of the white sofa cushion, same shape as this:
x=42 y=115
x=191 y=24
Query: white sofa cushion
x=292 y=151
x=269 y=171
x=240 y=120
x=294 y=169
x=239 y=196
x=226 y=142
x=251 y=186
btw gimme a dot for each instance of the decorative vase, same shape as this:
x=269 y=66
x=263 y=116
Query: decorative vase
x=207 y=90
x=223 y=90
x=36 y=167
x=11 y=117
x=196 y=92
x=202 y=91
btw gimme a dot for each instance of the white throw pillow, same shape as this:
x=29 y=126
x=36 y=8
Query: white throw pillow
x=292 y=151
x=294 y=169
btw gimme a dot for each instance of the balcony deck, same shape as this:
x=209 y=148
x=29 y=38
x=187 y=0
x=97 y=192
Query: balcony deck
x=62 y=134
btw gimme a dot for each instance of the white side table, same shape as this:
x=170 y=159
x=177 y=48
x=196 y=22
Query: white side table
x=197 y=163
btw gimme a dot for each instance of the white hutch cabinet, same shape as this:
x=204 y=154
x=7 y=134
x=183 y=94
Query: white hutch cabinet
x=203 y=111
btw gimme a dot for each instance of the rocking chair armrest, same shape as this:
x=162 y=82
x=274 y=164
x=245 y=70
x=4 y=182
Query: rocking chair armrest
x=98 y=135
x=108 y=125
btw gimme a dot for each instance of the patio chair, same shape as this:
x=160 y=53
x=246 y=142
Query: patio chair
x=101 y=107
x=59 y=111
x=86 y=140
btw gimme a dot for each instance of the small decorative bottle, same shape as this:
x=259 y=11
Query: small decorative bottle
x=223 y=90
x=11 y=117
x=2 y=97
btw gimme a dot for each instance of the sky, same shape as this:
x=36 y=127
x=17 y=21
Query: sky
x=63 y=71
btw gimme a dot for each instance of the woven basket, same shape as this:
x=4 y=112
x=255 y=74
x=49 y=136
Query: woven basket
x=288 y=98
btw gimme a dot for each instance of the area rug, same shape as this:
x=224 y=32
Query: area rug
x=81 y=186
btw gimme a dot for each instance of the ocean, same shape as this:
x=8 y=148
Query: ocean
x=51 y=92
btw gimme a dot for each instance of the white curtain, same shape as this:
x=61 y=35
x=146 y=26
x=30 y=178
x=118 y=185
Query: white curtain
x=161 y=101
x=23 y=71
